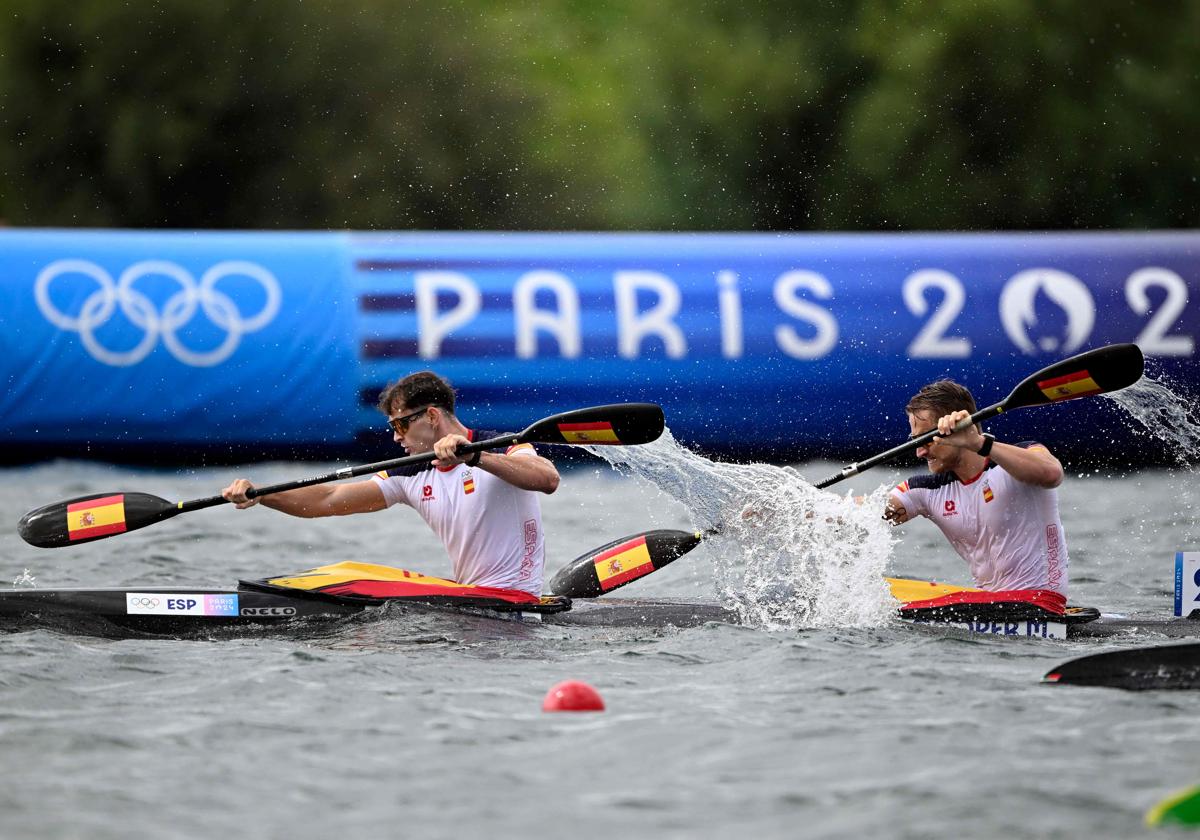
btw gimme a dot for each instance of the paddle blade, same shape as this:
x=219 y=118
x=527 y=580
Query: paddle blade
x=623 y=424
x=622 y=561
x=1135 y=669
x=1098 y=371
x=91 y=518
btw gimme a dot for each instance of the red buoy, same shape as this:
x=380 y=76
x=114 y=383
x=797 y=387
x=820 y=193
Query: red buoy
x=573 y=696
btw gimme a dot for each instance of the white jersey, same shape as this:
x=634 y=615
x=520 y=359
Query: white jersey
x=491 y=529
x=1009 y=532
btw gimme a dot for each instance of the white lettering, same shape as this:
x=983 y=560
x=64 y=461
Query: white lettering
x=633 y=327
x=827 y=328
x=1154 y=339
x=931 y=342
x=561 y=322
x=432 y=327
x=730 y=301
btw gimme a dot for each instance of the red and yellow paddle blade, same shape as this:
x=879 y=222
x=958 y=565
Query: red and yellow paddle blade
x=1098 y=371
x=622 y=424
x=94 y=517
x=622 y=561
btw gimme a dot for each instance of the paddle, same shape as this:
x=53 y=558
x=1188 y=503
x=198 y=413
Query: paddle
x=1098 y=371
x=1135 y=669
x=623 y=561
x=103 y=515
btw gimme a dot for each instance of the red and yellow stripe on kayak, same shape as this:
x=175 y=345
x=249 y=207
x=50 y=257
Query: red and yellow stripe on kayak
x=336 y=573
x=96 y=517
x=907 y=590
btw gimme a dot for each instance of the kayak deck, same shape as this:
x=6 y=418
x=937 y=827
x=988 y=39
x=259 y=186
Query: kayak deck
x=182 y=611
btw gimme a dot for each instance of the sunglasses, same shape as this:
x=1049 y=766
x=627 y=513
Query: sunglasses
x=400 y=425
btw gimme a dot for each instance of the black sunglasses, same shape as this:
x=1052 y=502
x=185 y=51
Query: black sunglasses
x=400 y=425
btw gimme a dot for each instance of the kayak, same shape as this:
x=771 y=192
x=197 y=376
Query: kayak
x=344 y=591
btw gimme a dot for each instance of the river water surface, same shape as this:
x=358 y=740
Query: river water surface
x=818 y=717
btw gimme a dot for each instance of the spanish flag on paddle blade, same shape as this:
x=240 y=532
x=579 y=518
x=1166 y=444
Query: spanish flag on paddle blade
x=96 y=517
x=1078 y=384
x=623 y=563
x=588 y=432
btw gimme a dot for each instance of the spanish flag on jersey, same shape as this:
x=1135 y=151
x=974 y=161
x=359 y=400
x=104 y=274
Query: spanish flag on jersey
x=96 y=517
x=623 y=563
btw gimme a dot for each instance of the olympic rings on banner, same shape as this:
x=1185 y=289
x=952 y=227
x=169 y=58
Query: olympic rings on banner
x=177 y=311
x=149 y=603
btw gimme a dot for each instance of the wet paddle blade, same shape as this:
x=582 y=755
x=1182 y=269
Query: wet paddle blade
x=1135 y=669
x=1098 y=371
x=94 y=517
x=622 y=561
x=623 y=424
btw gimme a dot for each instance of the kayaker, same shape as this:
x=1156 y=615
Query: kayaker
x=484 y=507
x=996 y=502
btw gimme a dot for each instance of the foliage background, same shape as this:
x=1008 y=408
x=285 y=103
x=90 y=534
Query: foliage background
x=600 y=115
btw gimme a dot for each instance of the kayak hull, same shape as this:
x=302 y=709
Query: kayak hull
x=191 y=611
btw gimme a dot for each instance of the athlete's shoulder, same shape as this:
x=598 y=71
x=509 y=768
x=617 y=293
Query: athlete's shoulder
x=1033 y=445
x=515 y=449
x=927 y=481
x=403 y=472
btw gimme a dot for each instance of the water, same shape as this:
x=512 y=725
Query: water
x=822 y=718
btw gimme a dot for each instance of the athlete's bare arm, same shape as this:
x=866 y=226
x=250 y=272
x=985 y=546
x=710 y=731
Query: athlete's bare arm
x=1034 y=466
x=319 y=500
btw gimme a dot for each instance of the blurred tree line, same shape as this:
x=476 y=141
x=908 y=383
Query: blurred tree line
x=600 y=114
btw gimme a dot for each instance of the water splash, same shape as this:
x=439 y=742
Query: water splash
x=788 y=555
x=1167 y=412
x=26 y=578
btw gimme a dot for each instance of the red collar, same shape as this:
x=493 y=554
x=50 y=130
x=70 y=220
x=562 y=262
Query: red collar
x=978 y=475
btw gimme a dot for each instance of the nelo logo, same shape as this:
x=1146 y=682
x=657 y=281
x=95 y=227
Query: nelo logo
x=262 y=611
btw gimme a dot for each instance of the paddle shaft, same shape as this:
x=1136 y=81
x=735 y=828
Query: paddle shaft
x=908 y=446
x=350 y=472
x=1098 y=371
x=101 y=515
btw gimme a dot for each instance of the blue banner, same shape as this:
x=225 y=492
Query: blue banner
x=771 y=344
x=764 y=345
x=140 y=339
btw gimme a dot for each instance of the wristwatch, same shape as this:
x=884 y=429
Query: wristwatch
x=986 y=449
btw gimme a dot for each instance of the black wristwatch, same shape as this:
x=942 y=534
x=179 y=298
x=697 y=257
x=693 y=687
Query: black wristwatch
x=986 y=449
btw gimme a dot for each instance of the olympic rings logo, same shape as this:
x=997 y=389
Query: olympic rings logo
x=177 y=311
x=143 y=602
